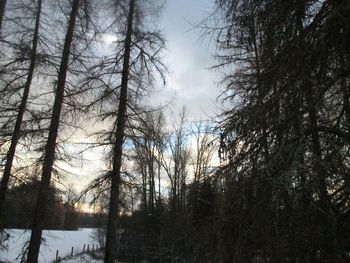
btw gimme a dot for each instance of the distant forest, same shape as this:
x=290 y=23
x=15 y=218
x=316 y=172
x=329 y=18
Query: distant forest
x=64 y=213
x=266 y=180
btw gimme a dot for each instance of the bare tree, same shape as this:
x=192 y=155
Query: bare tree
x=205 y=148
x=148 y=145
x=40 y=209
x=17 y=130
x=136 y=57
x=175 y=165
x=287 y=119
x=111 y=239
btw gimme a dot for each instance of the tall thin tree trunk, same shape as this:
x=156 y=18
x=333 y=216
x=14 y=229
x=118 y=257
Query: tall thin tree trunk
x=111 y=238
x=151 y=180
x=345 y=88
x=144 y=188
x=2 y=13
x=300 y=247
x=260 y=87
x=328 y=238
x=316 y=149
x=159 y=193
x=17 y=130
x=40 y=209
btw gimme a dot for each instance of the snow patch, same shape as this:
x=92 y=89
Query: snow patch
x=82 y=258
x=63 y=241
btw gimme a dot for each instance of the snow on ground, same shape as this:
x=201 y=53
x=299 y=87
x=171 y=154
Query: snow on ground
x=82 y=259
x=63 y=241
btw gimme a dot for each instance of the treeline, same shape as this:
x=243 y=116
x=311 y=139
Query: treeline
x=171 y=190
x=64 y=210
x=20 y=203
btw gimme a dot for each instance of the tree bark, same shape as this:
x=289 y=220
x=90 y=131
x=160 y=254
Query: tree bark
x=316 y=149
x=17 y=130
x=2 y=13
x=150 y=153
x=40 y=209
x=111 y=238
x=328 y=238
x=159 y=182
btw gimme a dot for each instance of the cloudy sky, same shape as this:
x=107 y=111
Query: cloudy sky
x=190 y=83
x=189 y=57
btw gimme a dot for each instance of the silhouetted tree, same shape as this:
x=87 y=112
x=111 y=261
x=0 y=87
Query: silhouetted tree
x=41 y=205
x=17 y=129
x=282 y=129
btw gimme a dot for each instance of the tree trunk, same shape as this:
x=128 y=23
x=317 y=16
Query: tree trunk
x=144 y=188
x=316 y=149
x=301 y=247
x=2 y=13
x=17 y=130
x=345 y=89
x=159 y=182
x=327 y=239
x=40 y=209
x=151 y=179
x=111 y=238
